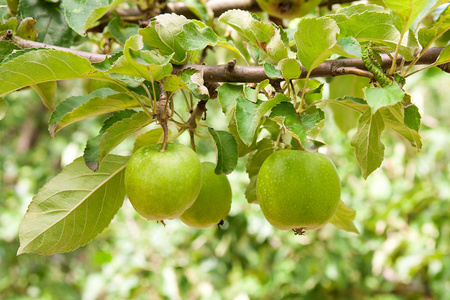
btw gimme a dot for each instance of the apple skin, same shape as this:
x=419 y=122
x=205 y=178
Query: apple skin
x=298 y=189
x=214 y=201
x=163 y=184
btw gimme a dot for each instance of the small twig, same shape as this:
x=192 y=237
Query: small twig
x=162 y=115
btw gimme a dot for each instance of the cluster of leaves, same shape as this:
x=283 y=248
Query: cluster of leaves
x=280 y=112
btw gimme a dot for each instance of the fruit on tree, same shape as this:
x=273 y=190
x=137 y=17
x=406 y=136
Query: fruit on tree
x=288 y=9
x=163 y=184
x=298 y=190
x=214 y=201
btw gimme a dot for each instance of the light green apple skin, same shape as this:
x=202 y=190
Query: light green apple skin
x=288 y=9
x=298 y=189
x=214 y=201
x=163 y=184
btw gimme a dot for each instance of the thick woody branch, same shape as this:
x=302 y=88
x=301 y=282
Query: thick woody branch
x=235 y=73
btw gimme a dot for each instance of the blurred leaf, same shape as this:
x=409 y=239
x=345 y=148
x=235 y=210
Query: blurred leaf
x=354 y=103
x=429 y=34
x=116 y=129
x=264 y=148
x=369 y=149
x=344 y=217
x=121 y=30
x=73 y=207
x=412 y=117
x=199 y=8
x=3 y=108
x=48 y=65
x=358 y=9
x=383 y=96
x=26 y=29
x=82 y=15
x=50 y=22
x=154 y=136
x=46 y=92
x=226 y=149
x=6 y=48
x=248 y=115
x=394 y=118
x=99 y=102
x=407 y=10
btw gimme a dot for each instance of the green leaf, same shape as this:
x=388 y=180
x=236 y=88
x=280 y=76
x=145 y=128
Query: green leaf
x=73 y=207
x=312 y=50
x=290 y=68
x=174 y=83
x=344 y=217
x=351 y=46
x=228 y=94
x=259 y=33
x=286 y=115
x=271 y=71
x=42 y=66
x=382 y=30
x=226 y=149
x=77 y=108
x=161 y=34
x=152 y=137
x=412 y=117
x=82 y=15
x=243 y=149
x=194 y=81
x=147 y=64
x=369 y=149
x=46 y=92
x=3 y=108
x=383 y=96
x=346 y=117
x=248 y=115
x=6 y=48
x=431 y=33
x=193 y=38
x=358 y=9
x=444 y=57
x=199 y=9
x=354 y=103
x=111 y=135
x=122 y=31
x=312 y=120
x=264 y=148
x=50 y=22
x=26 y=29
x=407 y=10
x=395 y=119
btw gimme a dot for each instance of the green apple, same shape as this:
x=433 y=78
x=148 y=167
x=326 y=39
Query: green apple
x=163 y=184
x=214 y=201
x=298 y=190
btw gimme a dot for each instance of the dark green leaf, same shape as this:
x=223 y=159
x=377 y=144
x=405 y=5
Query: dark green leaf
x=226 y=149
x=228 y=93
x=412 y=117
x=121 y=30
x=369 y=149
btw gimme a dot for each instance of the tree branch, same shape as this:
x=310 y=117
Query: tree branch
x=218 y=7
x=224 y=73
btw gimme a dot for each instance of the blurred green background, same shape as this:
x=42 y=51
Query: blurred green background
x=403 y=215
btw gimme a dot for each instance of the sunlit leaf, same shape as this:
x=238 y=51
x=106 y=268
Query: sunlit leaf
x=73 y=207
x=344 y=217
